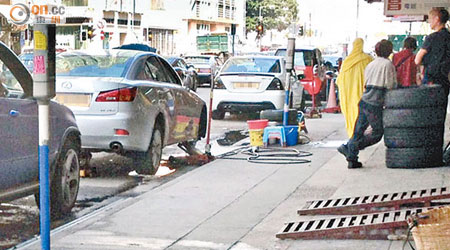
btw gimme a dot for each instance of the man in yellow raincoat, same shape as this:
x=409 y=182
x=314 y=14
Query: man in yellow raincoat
x=351 y=83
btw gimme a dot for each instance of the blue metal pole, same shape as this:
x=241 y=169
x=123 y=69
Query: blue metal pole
x=44 y=195
x=286 y=106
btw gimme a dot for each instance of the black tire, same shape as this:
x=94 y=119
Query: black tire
x=413 y=157
x=148 y=162
x=414 y=118
x=415 y=97
x=414 y=137
x=66 y=179
x=277 y=115
x=218 y=115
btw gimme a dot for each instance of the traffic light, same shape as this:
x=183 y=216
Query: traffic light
x=90 y=32
x=260 y=29
x=300 y=31
x=83 y=35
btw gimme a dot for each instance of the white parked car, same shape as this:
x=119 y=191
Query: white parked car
x=249 y=84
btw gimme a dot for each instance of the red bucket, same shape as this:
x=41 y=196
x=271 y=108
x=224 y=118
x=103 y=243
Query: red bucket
x=257 y=124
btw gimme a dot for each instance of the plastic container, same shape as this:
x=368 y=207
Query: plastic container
x=257 y=124
x=256 y=137
x=256 y=131
x=291 y=135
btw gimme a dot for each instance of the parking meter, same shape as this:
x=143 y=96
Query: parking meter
x=43 y=91
x=290 y=52
x=44 y=62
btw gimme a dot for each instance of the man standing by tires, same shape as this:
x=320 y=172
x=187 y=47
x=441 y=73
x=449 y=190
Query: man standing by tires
x=379 y=76
x=404 y=63
x=435 y=51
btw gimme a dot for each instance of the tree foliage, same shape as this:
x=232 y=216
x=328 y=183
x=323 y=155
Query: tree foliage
x=276 y=14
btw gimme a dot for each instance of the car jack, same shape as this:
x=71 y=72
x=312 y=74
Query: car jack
x=195 y=157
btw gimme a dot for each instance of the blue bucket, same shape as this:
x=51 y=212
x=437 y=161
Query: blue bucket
x=291 y=132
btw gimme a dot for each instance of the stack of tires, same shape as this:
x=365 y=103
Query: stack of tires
x=413 y=121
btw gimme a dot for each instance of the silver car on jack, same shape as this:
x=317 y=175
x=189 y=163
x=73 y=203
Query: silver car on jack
x=129 y=102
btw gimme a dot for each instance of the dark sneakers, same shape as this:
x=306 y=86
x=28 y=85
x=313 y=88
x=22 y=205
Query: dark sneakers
x=351 y=163
x=354 y=164
x=343 y=150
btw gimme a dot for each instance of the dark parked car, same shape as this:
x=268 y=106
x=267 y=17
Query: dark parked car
x=128 y=102
x=185 y=71
x=204 y=65
x=19 y=140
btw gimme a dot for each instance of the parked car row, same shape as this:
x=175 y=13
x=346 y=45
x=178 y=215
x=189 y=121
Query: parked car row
x=125 y=101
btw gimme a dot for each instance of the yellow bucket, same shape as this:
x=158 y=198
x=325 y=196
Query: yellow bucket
x=256 y=137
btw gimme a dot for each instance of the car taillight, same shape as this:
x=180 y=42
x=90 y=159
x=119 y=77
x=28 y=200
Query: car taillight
x=118 y=95
x=276 y=84
x=218 y=84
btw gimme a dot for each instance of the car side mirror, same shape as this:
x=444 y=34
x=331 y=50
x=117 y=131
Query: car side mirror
x=188 y=83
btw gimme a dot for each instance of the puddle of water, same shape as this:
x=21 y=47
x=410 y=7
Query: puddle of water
x=328 y=144
x=232 y=137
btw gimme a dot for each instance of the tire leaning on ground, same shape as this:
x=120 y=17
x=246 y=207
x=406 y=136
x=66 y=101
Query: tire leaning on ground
x=415 y=97
x=413 y=157
x=414 y=118
x=66 y=180
x=277 y=115
x=218 y=115
x=413 y=137
x=148 y=162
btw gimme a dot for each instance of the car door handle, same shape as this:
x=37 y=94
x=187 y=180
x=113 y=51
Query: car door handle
x=14 y=113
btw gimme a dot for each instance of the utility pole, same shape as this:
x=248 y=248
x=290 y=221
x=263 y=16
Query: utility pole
x=357 y=16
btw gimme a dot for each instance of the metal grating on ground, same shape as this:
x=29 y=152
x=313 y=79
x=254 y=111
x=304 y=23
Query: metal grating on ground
x=375 y=203
x=375 y=226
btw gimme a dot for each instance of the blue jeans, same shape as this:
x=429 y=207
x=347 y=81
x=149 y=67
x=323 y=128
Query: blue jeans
x=368 y=115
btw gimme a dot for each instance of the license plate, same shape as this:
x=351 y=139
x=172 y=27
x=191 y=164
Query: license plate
x=74 y=100
x=246 y=85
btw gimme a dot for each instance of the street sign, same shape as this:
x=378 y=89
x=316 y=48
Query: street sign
x=412 y=7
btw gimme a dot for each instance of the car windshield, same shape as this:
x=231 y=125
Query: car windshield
x=7 y=79
x=301 y=58
x=252 y=65
x=91 y=65
x=197 y=59
x=332 y=59
x=171 y=60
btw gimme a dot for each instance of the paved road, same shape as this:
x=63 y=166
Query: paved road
x=19 y=220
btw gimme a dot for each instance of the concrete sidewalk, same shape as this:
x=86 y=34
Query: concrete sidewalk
x=230 y=204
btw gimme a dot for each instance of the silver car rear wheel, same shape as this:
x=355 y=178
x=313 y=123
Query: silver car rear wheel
x=148 y=162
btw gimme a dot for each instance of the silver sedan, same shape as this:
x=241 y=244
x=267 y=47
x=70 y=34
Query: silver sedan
x=129 y=102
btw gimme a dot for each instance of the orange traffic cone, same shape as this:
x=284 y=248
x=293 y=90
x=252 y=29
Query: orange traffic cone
x=332 y=106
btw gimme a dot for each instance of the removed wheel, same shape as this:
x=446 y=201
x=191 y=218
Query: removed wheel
x=413 y=157
x=415 y=97
x=148 y=162
x=218 y=115
x=414 y=137
x=414 y=118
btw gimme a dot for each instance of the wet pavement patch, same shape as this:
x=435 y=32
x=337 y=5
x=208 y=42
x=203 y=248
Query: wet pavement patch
x=232 y=137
